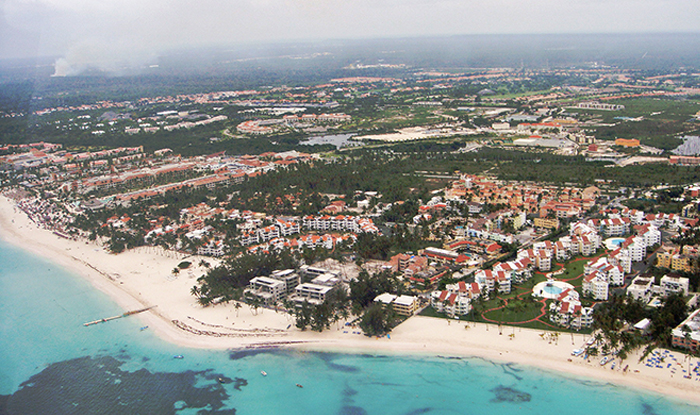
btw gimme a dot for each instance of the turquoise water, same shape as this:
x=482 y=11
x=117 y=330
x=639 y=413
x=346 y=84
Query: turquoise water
x=552 y=289
x=50 y=363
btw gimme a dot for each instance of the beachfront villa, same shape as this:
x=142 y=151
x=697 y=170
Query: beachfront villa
x=316 y=291
x=213 y=247
x=455 y=299
x=449 y=303
x=490 y=280
x=404 y=305
x=566 y=309
x=269 y=290
x=281 y=284
x=312 y=293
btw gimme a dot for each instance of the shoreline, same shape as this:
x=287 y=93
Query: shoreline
x=142 y=278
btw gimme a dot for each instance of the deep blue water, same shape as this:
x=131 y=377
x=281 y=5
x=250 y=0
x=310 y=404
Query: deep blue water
x=51 y=364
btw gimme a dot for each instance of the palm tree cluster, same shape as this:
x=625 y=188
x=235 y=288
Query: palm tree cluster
x=615 y=319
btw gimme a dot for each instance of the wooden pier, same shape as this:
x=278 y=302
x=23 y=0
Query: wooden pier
x=127 y=314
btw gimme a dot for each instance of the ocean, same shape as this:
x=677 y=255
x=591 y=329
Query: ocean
x=51 y=364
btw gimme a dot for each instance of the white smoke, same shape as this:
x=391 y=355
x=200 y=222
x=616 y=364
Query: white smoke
x=109 y=58
x=62 y=68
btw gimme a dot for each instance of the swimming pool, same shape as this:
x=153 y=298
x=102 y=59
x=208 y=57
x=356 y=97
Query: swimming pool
x=551 y=289
x=613 y=243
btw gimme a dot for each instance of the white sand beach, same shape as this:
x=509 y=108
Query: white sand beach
x=143 y=277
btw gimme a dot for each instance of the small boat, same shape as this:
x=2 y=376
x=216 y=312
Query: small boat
x=178 y=356
x=578 y=352
x=604 y=361
x=612 y=366
x=221 y=380
x=262 y=372
x=299 y=385
x=143 y=328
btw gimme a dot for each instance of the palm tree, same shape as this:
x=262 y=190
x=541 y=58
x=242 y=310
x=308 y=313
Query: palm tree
x=237 y=306
x=598 y=338
x=195 y=291
x=592 y=351
x=254 y=303
x=502 y=304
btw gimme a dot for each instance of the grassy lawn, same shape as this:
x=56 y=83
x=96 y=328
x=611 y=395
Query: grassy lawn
x=670 y=109
x=574 y=268
x=516 y=311
x=519 y=94
x=507 y=329
x=667 y=109
x=663 y=118
x=520 y=309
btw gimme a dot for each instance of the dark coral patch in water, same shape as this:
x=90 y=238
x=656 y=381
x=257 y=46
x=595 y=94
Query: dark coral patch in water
x=329 y=358
x=243 y=353
x=352 y=410
x=419 y=411
x=506 y=394
x=99 y=386
x=648 y=409
x=238 y=383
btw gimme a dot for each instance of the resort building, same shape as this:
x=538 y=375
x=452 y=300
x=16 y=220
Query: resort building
x=274 y=288
x=641 y=288
x=684 y=160
x=567 y=311
x=328 y=279
x=289 y=277
x=545 y=223
x=627 y=142
x=687 y=334
x=677 y=260
x=456 y=298
x=595 y=285
x=287 y=228
x=444 y=256
x=488 y=280
x=541 y=258
x=671 y=285
x=614 y=274
x=519 y=271
x=621 y=258
x=354 y=224
x=615 y=226
x=404 y=305
x=312 y=293
x=269 y=290
x=593 y=105
x=449 y=303
x=212 y=248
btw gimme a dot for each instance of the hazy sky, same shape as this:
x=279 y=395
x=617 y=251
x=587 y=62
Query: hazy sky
x=134 y=29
